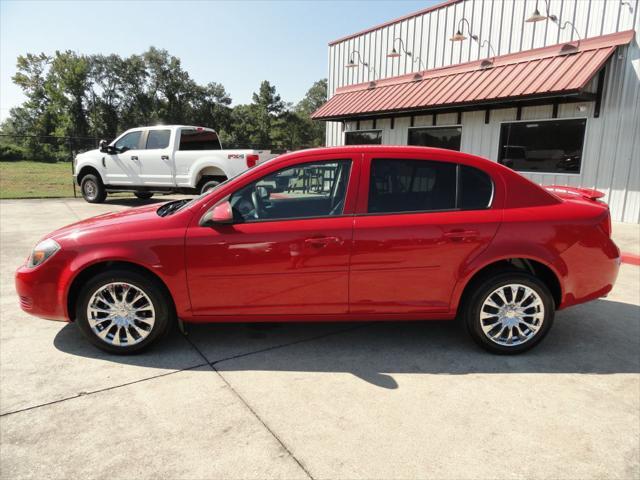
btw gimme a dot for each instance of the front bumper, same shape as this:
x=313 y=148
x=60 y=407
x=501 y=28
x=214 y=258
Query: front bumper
x=40 y=293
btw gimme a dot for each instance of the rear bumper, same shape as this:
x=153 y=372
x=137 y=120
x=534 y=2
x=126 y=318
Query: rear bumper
x=39 y=293
x=593 y=268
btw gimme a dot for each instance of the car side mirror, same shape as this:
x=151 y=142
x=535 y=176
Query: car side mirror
x=221 y=214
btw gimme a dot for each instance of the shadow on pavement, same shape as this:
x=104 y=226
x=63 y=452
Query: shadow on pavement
x=602 y=337
x=137 y=202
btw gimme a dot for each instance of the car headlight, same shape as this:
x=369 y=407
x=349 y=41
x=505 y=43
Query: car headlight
x=42 y=252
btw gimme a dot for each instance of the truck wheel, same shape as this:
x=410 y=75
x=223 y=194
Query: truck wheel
x=92 y=188
x=143 y=195
x=209 y=185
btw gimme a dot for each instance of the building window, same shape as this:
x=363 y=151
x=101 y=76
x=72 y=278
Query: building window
x=550 y=146
x=440 y=137
x=363 y=137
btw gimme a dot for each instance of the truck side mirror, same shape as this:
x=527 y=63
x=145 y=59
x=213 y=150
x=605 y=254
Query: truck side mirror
x=104 y=146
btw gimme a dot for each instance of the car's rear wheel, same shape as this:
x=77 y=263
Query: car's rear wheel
x=92 y=188
x=123 y=311
x=509 y=313
x=143 y=195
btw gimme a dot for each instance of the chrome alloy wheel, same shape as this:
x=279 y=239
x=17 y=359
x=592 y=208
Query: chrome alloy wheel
x=512 y=315
x=90 y=189
x=120 y=314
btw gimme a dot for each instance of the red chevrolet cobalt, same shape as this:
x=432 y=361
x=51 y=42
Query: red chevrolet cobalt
x=340 y=234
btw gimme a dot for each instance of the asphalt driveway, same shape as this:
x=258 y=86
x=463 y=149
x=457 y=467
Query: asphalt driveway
x=357 y=401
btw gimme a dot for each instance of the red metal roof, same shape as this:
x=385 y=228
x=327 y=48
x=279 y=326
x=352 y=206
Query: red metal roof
x=542 y=72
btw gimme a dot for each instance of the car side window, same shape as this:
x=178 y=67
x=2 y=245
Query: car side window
x=475 y=189
x=129 y=142
x=307 y=190
x=411 y=186
x=158 y=139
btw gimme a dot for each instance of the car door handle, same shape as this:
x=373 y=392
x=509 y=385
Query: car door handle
x=319 y=242
x=134 y=158
x=459 y=235
x=164 y=157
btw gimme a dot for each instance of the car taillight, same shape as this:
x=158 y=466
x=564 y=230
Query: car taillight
x=252 y=160
x=605 y=224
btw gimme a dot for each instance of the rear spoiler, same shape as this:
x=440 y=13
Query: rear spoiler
x=587 y=193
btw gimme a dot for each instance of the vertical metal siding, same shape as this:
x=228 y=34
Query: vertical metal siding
x=611 y=157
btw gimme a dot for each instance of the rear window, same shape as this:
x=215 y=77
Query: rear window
x=192 y=139
x=399 y=185
x=475 y=189
x=411 y=186
x=158 y=139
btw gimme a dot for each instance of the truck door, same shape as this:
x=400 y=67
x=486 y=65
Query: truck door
x=121 y=168
x=155 y=160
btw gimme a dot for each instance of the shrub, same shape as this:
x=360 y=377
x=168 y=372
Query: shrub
x=11 y=152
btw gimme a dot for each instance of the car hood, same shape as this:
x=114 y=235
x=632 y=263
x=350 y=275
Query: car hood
x=134 y=219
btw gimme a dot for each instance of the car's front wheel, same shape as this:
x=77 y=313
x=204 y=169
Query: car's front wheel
x=123 y=311
x=509 y=313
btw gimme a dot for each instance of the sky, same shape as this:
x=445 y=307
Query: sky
x=236 y=43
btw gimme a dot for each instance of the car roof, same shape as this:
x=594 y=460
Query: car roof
x=422 y=153
x=522 y=191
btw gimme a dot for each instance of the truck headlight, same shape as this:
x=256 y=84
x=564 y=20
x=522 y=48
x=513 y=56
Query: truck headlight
x=42 y=252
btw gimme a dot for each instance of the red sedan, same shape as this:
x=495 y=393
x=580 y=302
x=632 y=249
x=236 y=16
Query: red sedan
x=340 y=234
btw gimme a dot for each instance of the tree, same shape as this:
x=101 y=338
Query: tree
x=99 y=96
x=267 y=105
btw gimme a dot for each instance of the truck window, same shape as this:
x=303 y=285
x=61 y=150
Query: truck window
x=191 y=139
x=129 y=142
x=157 y=139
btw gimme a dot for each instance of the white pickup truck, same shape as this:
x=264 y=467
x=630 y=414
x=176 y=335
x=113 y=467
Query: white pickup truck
x=168 y=158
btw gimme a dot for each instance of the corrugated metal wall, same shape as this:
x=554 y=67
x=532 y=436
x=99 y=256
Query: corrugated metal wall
x=611 y=158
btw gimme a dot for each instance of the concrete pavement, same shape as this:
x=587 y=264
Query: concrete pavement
x=387 y=400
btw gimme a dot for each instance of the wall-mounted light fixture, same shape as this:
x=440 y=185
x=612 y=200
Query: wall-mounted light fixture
x=628 y=4
x=536 y=16
x=395 y=54
x=353 y=64
x=459 y=36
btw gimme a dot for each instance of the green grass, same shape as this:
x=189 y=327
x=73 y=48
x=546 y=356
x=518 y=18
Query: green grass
x=27 y=179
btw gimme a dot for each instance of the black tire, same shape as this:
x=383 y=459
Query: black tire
x=472 y=305
x=92 y=189
x=150 y=286
x=143 y=195
x=208 y=183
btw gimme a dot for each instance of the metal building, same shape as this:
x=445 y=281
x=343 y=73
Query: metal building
x=549 y=88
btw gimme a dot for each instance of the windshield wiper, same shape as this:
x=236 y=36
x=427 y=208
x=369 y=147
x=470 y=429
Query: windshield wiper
x=170 y=207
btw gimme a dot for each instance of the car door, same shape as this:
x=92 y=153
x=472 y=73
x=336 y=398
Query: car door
x=121 y=167
x=155 y=162
x=418 y=222
x=287 y=252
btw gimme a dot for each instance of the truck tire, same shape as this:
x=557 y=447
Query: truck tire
x=92 y=188
x=143 y=195
x=209 y=183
